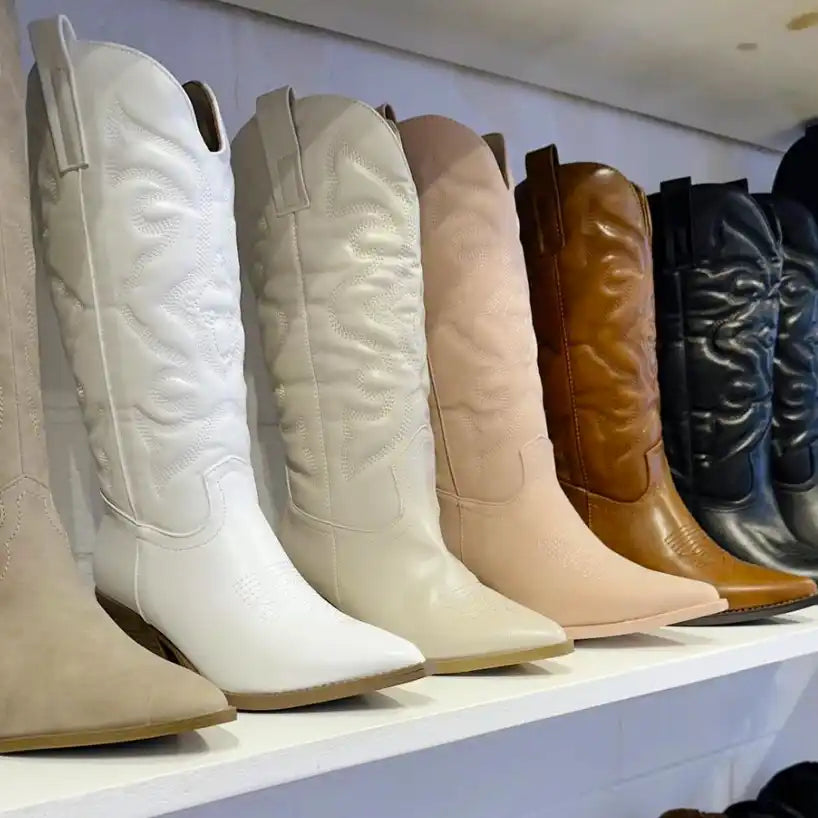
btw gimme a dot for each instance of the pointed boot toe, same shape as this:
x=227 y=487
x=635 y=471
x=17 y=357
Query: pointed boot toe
x=762 y=593
x=365 y=658
x=178 y=694
x=509 y=634
x=69 y=677
x=678 y=599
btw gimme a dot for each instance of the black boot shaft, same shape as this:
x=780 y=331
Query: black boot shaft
x=718 y=267
x=795 y=394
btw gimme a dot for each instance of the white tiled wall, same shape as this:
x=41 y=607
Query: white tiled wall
x=698 y=746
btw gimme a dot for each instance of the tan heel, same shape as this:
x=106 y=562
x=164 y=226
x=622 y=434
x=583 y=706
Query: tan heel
x=136 y=627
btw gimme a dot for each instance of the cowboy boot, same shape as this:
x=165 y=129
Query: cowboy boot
x=328 y=233
x=503 y=512
x=795 y=370
x=586 y=232
x=718 y=263
x=68 y=676
x=718 y=271
x=135 y=197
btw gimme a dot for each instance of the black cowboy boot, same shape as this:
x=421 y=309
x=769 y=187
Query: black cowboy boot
x=795 y=392
x=717 y=268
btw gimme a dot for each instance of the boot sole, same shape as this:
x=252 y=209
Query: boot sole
x=648 y=623
x=487 y=661
x=740 y=616
x=156 y=642
x=114 y=735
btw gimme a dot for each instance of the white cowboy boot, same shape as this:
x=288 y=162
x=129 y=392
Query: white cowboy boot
x=136 y=196
x=328 y=231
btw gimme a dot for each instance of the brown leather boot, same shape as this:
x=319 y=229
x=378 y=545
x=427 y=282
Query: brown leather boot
x=586 y=233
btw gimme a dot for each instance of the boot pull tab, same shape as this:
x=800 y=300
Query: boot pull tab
x=739 y=184
x=645 y=207
x=497 y=143
x=811 y=132
x=388 y=113
x=544 y=192
x=52 y=41
x=676 y=217
x=274 y=112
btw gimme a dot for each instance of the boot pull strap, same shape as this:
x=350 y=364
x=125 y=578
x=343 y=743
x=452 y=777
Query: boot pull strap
x=543 y=191
x=387 y=112
x=676 y=221
x=274 y=112
x=52 y=41
x=497 y=144
x=739 y=184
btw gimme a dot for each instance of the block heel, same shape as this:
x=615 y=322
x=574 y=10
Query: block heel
x=134 y=626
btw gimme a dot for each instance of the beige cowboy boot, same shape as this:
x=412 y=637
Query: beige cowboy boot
x=328 y=233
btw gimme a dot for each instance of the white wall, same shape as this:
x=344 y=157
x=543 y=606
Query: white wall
x=698 y=746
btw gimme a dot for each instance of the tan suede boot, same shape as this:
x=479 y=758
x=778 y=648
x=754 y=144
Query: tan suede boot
x=68 y=675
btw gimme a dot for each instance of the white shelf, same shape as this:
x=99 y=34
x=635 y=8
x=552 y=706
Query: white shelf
x=737 y=68
x=265 y=750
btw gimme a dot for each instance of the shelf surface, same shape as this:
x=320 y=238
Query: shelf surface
x=736 y=68
x=265 y=750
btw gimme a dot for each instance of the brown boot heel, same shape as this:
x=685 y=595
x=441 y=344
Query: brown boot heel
x=136 y=627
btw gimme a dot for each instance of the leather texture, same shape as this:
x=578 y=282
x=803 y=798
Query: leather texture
x=329 y=237
x=718 y=273
x=587 y=236
x=65 y=668
x=795 y=370
x=140 y=247
x=502 y=510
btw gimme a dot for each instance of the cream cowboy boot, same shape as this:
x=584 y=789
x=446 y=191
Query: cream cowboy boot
x=328 y=233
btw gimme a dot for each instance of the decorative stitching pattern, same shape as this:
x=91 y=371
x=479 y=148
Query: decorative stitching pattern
x=365 y=309
x=480 y=330
x=169 y=311
x=795 y=419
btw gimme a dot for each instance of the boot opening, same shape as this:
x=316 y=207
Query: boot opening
x=206 y=117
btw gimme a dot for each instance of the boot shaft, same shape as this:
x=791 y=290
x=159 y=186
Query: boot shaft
x=718 y=270
x=482 y=351
x=335 y=261
x=795 y=379
x=135 y=203
x=22 y=433
x=586 y=235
